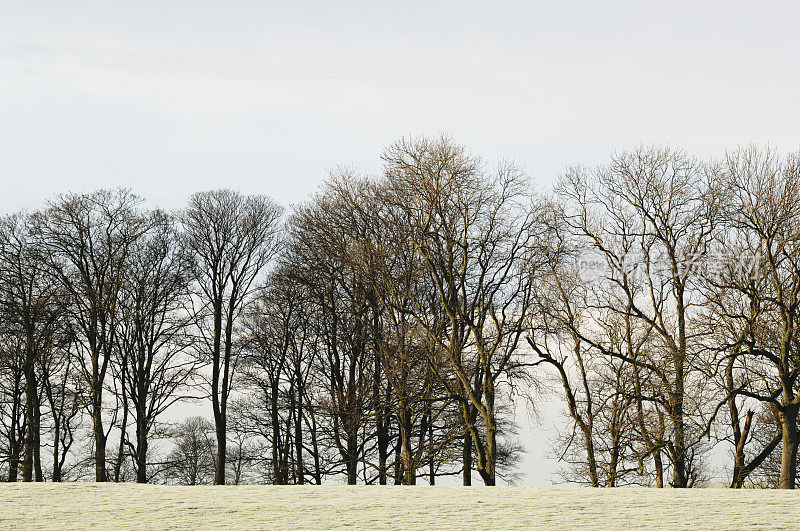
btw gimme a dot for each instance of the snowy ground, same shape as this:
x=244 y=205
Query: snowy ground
x=152 y=506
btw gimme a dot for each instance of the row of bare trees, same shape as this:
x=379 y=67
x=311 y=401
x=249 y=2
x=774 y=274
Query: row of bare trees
x=668 y=313
x=382 y=331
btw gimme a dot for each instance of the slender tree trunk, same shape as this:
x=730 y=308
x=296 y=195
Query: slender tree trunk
x=13 y=462
x=409 y=473
x=218 y=392
x=381 y=428
x=99 y=433
x=590 y=457
x=141 y=445
x=424 y=447
x=679 y=479
x=16 y=433
x=383 y=448
x=487 y=456
x=122 y=437
x=315 y=450
x=352 y=457
x=740 y=438
x=466 y=457
x=277 y=466
x=298 y=434
x=31 y=462
x=350 y=424
x=613 y=462
x=56 y=478
x=37 y=459
x=222 y=448
x=398 y=461
x=488 y=468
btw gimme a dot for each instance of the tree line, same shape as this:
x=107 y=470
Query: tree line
x=384 y=331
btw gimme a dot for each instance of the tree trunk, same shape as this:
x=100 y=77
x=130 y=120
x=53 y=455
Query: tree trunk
x=487 y=456
x=383 y=449
x=218 y=392
x=487 y=469
x=431 y=466
x=381 y=424
x=121 y=447
x=352 y=457
x=679 y=479
x=141 y=446
x=222 y=448
x=315 y=449
x=740 y=438
x=298 y=436
x=659 y=466
x=409 y=472
x=32 y=465
x=99 y=434
x=56 y=478
x=13 y=463
x=466 y=457
x=789 y=443
x=616 y=436
x=590 y=458
x=16 y=432
x=277 y=466
x=398 y=461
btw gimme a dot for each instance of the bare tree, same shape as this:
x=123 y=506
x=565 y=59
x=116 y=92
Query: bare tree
x=650 y=216
x=596 y=388
x=280 y=351
x=382 y=251
x=764 y=220
x=270 y=326
x=232 y=238
x=66 y=399
x=153 y=338
x=88 y=239
x=383 y=338
x=12 y=402
x=192 y=461
x=320 y=235
x=472 y=231
x=31 y=305
x=733 y=323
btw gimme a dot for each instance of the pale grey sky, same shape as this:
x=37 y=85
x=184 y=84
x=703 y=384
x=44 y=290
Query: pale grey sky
x=171 y=97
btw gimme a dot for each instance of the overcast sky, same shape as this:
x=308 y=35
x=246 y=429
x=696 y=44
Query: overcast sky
x=172 y=97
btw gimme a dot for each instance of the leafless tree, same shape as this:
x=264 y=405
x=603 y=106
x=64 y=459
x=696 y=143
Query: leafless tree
x=192 y=461
x=153 y=337
x=732 y=323
x=88 y=239
x=31 y=306
x=650 y=215
x=65 y=394
x=233 y=238
x=319 y=238
x=597 y=389
x=12 y=402
x=763 y=217
x=270 y=326
x=384 y=334
x=473 y=231
x=381 y=249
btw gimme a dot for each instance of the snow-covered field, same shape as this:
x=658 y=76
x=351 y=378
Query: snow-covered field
x=153 y=506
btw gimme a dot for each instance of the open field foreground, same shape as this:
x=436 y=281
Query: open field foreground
x=155 y=506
